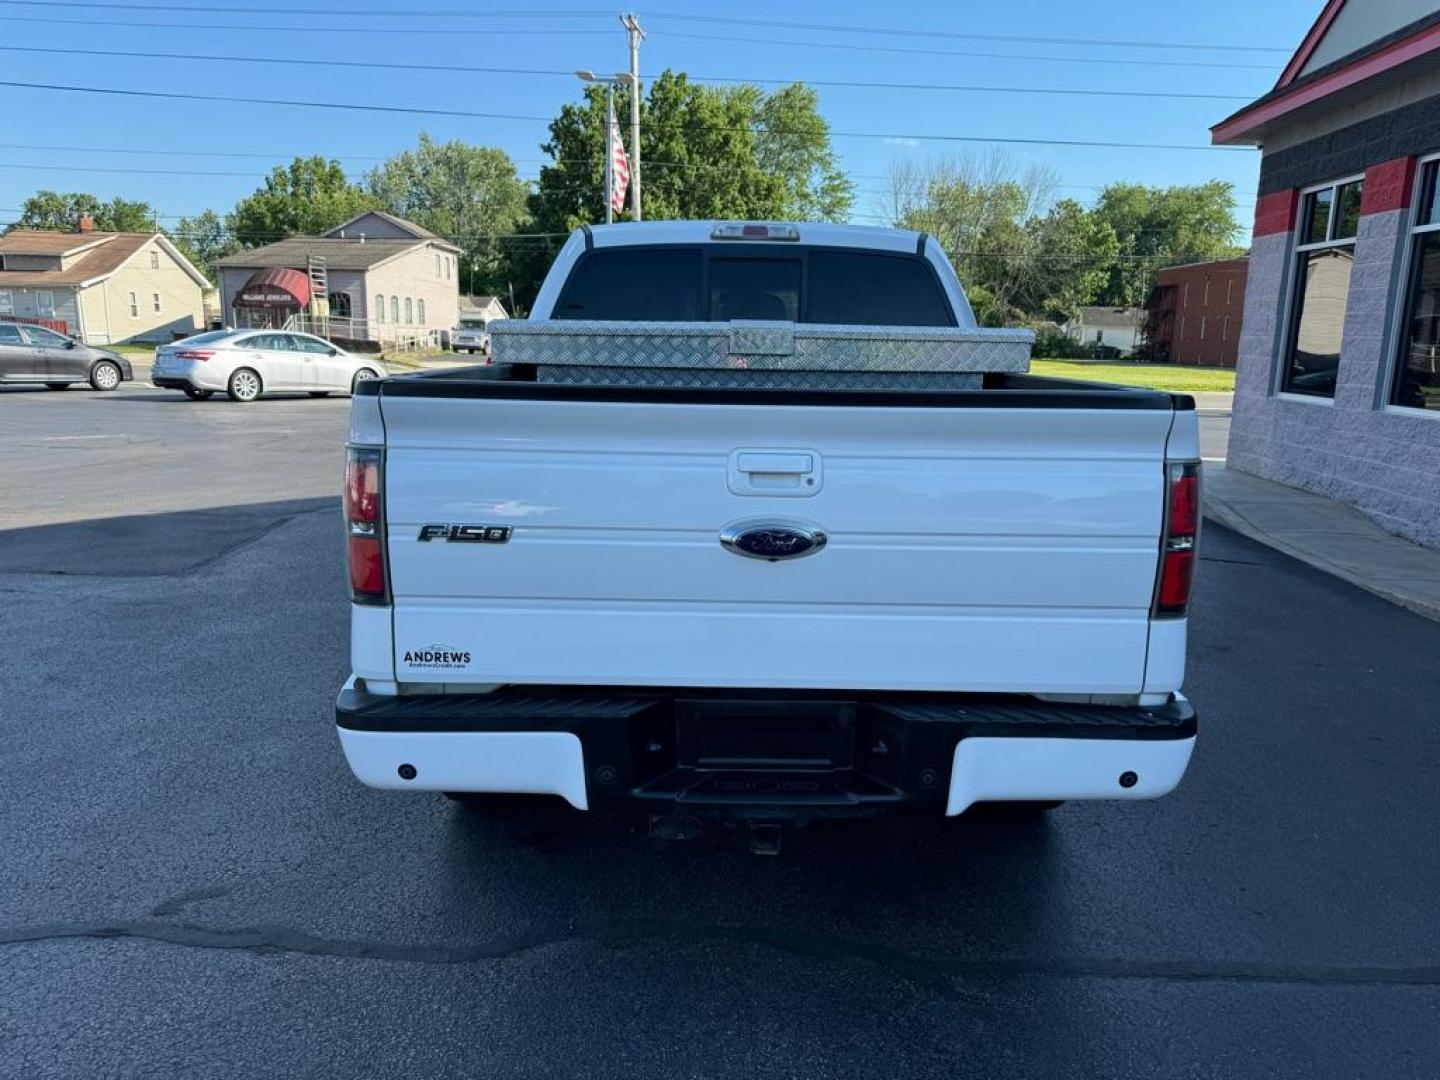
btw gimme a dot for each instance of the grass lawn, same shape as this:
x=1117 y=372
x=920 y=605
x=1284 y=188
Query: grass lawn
x=405 y=361
x=1155 y=376
x=132 y=350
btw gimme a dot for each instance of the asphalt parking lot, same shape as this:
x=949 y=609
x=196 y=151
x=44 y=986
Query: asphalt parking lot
x=194 y=886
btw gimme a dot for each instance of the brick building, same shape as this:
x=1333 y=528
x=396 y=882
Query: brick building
x=1338 y=381
x=1193 y=314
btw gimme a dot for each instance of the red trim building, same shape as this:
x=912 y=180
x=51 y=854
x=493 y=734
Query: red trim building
x=1193 y=314
x=1338 y=371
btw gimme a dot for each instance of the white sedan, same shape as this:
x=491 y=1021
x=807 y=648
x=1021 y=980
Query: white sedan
x=248 y=363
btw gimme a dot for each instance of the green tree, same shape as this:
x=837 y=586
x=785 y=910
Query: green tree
x=979 y=210
x=1070 y=252
x=730 y=152
x=793 y=144
x=204 y=239
x=1159 y=227
x=63 y=210
x=467 y=194
x=308 y=197
x=706 y=152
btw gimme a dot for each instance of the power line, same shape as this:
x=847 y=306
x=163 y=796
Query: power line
x=344 y=106
x=576 y=31
x=933 y=33
x=1062 y=91
x=468 y=13
x=226 y=232
x=347 y=12
x=848 y=47
x=179 y=153
x=549 y=238
x=281 y=156
x=386 y=30
x=420 y=111
x=108 y=169
x=558 y=73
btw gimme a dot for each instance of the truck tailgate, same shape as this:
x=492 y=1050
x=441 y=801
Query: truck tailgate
x=969 y=548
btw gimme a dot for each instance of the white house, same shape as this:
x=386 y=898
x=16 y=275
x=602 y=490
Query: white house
x=101 y=287
x=482 y=309
x=1113 y=327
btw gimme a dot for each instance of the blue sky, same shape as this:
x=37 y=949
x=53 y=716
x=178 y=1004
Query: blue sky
x=445 y=32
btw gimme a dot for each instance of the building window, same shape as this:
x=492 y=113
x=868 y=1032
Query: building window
x=421 y=305
x=155 y=299
x=339 y=305
x=449 y=265
x=7 y=302
x=1329 y=220
x=394 y=309
x=409 y=312
x=154 y=260
x=438 y=260
x=1417 y=374
x=45 y=303
x=134 y=306
x=379 y=307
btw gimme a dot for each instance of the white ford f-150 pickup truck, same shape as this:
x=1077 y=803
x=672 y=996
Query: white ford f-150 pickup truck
x=753 y=522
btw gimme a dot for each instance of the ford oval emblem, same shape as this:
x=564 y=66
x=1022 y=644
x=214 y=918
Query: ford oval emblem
x=772 y=540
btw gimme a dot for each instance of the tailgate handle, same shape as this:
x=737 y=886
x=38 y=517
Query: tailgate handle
x=783 y=472
x=798 y=464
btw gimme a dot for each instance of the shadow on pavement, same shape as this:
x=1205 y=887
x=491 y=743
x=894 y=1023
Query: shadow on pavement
x=147 y=544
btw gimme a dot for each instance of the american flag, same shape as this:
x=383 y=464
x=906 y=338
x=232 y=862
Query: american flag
x=619 y=167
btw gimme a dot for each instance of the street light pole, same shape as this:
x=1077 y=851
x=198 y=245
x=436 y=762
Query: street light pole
x=590 y=77
x=609 y=151
x=631 y=22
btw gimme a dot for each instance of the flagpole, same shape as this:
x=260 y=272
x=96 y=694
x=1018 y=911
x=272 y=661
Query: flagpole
x=609 y=148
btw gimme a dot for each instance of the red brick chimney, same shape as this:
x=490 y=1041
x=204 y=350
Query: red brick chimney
x=87 y=223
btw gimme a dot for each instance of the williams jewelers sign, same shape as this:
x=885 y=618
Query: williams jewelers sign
x=267 y=296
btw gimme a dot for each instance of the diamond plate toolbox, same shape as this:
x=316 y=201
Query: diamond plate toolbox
x=761 y=346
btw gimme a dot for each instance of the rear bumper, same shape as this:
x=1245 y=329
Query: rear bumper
x=764 y=756
x=186 y=380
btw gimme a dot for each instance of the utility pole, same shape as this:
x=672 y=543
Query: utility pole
x=631 y=22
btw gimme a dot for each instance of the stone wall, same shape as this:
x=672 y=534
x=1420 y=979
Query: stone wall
x=1383 y=461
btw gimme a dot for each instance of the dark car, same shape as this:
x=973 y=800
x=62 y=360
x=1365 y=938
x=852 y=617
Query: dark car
x=37 y=354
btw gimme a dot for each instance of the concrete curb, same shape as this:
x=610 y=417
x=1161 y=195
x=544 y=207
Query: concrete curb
x=1327 y=528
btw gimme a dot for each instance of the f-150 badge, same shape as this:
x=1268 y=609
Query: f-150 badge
x=465 y=534
x=772 y=540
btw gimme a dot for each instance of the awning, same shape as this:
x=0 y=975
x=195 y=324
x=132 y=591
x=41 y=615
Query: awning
x=280 y=287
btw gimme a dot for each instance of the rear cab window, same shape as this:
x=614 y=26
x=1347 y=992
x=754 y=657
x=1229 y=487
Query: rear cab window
x=635 y=285
x=719 y=283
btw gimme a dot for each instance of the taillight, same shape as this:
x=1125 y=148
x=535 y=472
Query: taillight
x=365 y=526
x=195 y=354
x=1177 y=538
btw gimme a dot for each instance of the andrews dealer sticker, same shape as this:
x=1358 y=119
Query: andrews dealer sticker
x=437 y=658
